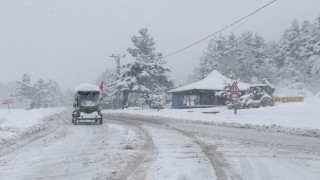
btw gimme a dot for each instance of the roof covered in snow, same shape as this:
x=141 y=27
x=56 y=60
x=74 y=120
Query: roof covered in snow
x=87 y=87
x=214 y=81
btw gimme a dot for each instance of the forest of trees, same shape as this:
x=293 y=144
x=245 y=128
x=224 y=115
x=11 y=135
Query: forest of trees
x=293 y=61
x=40 y=94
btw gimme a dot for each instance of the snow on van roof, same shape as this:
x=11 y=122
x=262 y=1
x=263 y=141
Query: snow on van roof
x=87 y=87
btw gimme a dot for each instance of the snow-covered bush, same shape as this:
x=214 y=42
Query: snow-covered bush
x=157 y=102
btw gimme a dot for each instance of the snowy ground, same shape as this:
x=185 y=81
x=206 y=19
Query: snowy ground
x=293 y=118
x=186 y=151
x=154 y=148
x=66 y=151
x=21 y=122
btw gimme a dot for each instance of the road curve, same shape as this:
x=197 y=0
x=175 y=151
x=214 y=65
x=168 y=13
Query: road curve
x=242 y=153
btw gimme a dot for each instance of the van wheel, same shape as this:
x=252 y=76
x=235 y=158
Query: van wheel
x=266 y=102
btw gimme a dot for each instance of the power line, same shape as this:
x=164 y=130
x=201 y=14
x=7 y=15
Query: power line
x=226 y=27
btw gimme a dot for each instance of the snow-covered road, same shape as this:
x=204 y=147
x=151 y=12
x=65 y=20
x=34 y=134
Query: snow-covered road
x=66 y=151
x=141 y=148
x=215 y=152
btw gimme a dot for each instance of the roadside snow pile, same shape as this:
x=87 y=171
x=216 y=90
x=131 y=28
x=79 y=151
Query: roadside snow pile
x=20 y=122
x=291 y=118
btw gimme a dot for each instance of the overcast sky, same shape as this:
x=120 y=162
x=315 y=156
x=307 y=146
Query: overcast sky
x=70 y=40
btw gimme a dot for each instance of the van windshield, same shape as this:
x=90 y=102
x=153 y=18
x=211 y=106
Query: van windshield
x=88 y=98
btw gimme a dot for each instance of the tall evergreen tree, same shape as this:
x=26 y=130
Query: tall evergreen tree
x=42 y=92
x=147 y=74
x=55 y=96
x=24 y=89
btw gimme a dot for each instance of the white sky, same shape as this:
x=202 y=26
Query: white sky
x=70 y=40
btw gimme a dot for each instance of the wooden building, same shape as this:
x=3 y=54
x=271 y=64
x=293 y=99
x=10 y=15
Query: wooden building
x=203 y=93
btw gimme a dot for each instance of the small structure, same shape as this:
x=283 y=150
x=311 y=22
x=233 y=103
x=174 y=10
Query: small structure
x=203 y=93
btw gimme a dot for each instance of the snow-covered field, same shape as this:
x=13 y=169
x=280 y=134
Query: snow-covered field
x=293 y=118
x=21 y=121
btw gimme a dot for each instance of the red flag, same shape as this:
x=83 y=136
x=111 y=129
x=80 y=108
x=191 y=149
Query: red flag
x=101 y=86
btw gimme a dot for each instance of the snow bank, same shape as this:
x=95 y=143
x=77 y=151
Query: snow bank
x=291 y=118
x=21 y=121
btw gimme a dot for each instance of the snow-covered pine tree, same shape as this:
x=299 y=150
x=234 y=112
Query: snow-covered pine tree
x=153 y=70
x=24 y=90
x=109 y=78
x=42 y=92
x=250 y=57
x=217 y=49
x=290 y=44
x=299 y=51
x=54 y=97
x=147 y=74
x=269 y=68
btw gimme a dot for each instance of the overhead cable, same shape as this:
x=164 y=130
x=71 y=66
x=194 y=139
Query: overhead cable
x=226 y=27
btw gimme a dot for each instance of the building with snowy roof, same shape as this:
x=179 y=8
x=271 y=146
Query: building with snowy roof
x=205 y=92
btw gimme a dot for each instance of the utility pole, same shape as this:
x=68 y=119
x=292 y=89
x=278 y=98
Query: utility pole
x=117 y=59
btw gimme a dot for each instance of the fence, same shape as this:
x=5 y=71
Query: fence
x=289 y=99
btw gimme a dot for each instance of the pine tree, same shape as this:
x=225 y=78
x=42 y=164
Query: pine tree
x=108 y=78
x=24 y=90
x=147 y=74
x=213 y=59
x=41 y=92
x=54 y=96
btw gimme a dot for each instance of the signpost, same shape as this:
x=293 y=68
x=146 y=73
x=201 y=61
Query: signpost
x=7 y=102
x=234 y=95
